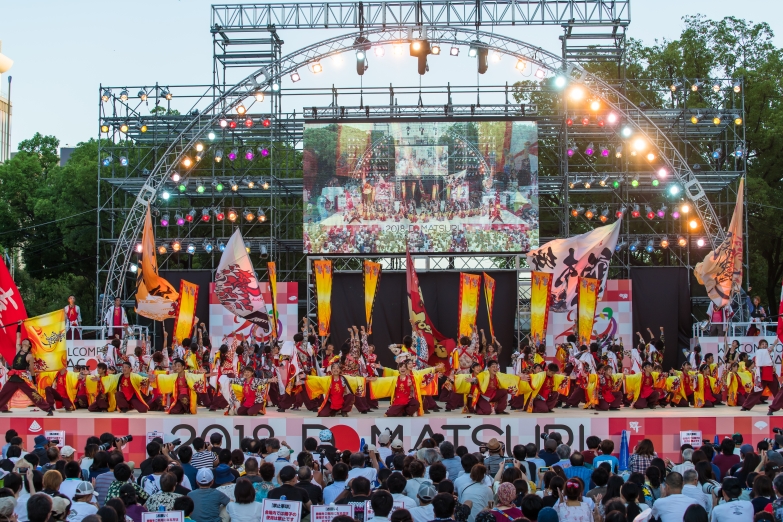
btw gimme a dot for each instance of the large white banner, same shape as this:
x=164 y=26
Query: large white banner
x=236 y=284
x=90 y=351
x=585 y=255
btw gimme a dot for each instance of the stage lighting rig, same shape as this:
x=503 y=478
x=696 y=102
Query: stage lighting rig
x=420 y=49
x=478 y=50
x=362 y=45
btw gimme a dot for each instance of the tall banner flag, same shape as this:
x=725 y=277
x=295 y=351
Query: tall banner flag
x=416 y=309
x=155 y=297
x=236 y=284
x=372 y=280
x=780 y=317
x=721 y=270
x=47 y=335
x=469 y=285
x=11 y=312
x=323 y=290
x=588 y=301
x=272 y=269
x=489 y=298
x=540 y=296
x=186 y=310
x=585 y=255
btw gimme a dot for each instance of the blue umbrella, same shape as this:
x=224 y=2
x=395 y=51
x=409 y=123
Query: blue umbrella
x=624 y=451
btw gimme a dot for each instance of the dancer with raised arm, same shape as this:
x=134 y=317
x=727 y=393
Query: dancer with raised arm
x=20 y=376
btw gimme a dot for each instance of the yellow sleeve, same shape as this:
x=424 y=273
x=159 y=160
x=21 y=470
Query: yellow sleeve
x=239 y=391
x=633 y=386
x=357 y=384
x=193 y=378
x=483 y=381
x=698 y=392
x=71 y=382
x=388 y=372
x=591 y=393
x=382 y=387
x=535 y=384
x=424 y=371
x=316 y=386
x=166 y=382
x=462 y=383
x=110 y=383
x=508 y=382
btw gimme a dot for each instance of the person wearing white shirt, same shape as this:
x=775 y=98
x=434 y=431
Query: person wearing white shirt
x=687 y=455
x=357 y=465
x=476 y=491
x=671 y=507
x=732 y=509
x=424 y=512
x=693 y=489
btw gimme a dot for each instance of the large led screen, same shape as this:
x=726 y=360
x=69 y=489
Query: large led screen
x=433 y=187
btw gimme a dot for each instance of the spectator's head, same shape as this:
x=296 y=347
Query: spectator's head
x=72 y=470
x=185 y=504
x=305 y=474
x=382 y=503
x=396 y=483
x=198 y=444
x=762 y=487
x=39 y=507
x=737 y=439
x=600 y=476
x=52 y=480
x=426 y=493
x=108 y=514
x=84 y=492
x=237 y=458
x=478 y=472
x=468 y=461
x=310 y=444
x=510 y=475
x=731 y=488
x=10 y=434
x=216 y=439
x=287 y=475
x=119 y=507
x=443 y=505
x=122 y=472
x=690 y=477
x=577 y=459
x=437 y=473
x=531 y=450
x=550 y=445
x=205 y=477
x=673 y=483
x=224 y=456
x=645 y=447
x=13 y=481
x=606 y=446
x=153 y=449
x=357 y=460
x=695 y=513
x=727 y=447
x=360 y=486
x=446 y=450
x=778 y=485
x=461 y=451
x=687 y=454
x=398 y=461
x=244 y=493
x=53 y=454
x=400 y=515
x=563 y=451
x=593 y=442
x=272 y=445
x=417 y=469
x=185 y=453
x=531 y=506
x=251 y=466
x=168 y=481
x=116 y=457
x=159 y=464
x=267 y=471
x=128 y=495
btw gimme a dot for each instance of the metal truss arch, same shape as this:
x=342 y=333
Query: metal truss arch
x=263 y=79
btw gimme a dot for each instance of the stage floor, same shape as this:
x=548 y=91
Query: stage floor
x=665 y=427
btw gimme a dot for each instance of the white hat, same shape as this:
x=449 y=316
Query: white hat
x=370 y=447
x=67 y=451
x=204 y=476
x=385 y=437
x=283 y=453
x=396 y=444
x=84 y=488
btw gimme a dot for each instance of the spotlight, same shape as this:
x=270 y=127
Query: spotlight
x=716 y=86
x=106 y=96
x=264 y=252
x=619 y=246
x=634 y=246
x=241 y=109
x=200 y=187
x=162 y=249
x=586 y=120
x=106 y=161
x=577 y=93
x=700 y=242
x=218 y=156
x=219 y=214
x=738 y=152
x=179 y=220
x=496 y=56
x=635 y=182
x=233 y=184
x=379 y=51
x=626 y=132
x=191 y=248
x=521 y=65
x=124 y=95
x=604 y=151
x=191 y=215
x=661 y=212
x=639 y=144
x=650 y=156
x=569 y=122
x=208 y=247
x=139 y=248
x=166 y=94
x=275 y=87
x=540 y=74
x=249 y=216
x=616 y=184
x=164 y=220
x=248 y=122
x=600 y=121
x=183 y=186
x=104 y=128
x=685 y=208
x=590 y=149
x=233 y=154
x=454 y=51
x=261 y=215
x=263 y=151
x=260 y=94
x=665 y=242
x=675 y=86
x=232 y=124
x=595 y=105
x=142 y=95
x=603 y=181
x=674 y=190
x=143 y=129
x=681 y=241
x=361 y=62
x=604 y=217
x=264 y=184
x=576 y=211
x=571 y=150
x=716 y=120
x=124 y=127
x=693 y=224
x=187 y=162
x=737 y=121
x=435 y=49
x=473 y=51
x=232 y=215
x=124 y=161
x=223 y=123
x=662 y=172
x=218 y=186
x=650 y=213
x=620 y=212
x=696 y=86
x=588 y=184
x=618 y=151
x=611 y=118
x=420 y=49
x=317 y=68
x=650 y=246
x=165 y=195
x=397 y=49
x=590 y=213
x=695 y=118
x=221 y=246
x=266 y=122
x=295 y=76
x=249 y=155
x=737 y=87
x=211 y=136
x=250 y=183
x=676 y=214
x=635 y=211
x=560 y=81
x=205 y=217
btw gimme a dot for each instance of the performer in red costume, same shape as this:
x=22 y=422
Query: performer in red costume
x=254 y=393
x=101 y=401
x=688 y=385
x=116 y=319
x=609 y=396
x=58 y=391
x=20 y=378
x=648 y=396
x=73 y=318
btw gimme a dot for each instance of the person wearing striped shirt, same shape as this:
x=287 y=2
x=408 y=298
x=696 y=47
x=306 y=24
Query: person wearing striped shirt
x=203 y=458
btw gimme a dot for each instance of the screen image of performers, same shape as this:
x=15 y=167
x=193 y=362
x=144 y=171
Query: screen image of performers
x=20 y=377
x=124 y=390
x=338 y=391
x=73 y=319
x=180 y=386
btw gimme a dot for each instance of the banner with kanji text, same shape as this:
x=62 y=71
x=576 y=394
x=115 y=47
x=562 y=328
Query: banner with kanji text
x=588 y=300
x=323 y=290
x=468 y=302
x=372 y=278
x=489 y=297
x=540 y=288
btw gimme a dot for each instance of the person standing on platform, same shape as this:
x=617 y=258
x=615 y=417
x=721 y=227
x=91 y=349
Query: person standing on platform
x=73 y=319
x=116 y=319
x=764 y=377
x=339 y=392
x=124 y=390
x=20 y=377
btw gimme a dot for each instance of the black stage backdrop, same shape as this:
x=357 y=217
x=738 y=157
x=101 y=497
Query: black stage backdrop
x=390 y=320
x=661 y=297
x=202 y=278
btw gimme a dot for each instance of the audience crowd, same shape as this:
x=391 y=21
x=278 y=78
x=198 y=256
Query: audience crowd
x=435 y=482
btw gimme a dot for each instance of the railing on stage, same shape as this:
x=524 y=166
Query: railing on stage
x=735 y=329
x=100 y=332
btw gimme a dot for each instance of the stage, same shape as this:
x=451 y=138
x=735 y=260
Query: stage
x=662 y=426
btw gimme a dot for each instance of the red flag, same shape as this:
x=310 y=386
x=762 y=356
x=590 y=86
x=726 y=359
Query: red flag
x=780 y=318
x=419 y=314
x=11 y=310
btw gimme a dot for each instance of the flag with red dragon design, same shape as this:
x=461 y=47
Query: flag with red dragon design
x=236 y=284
